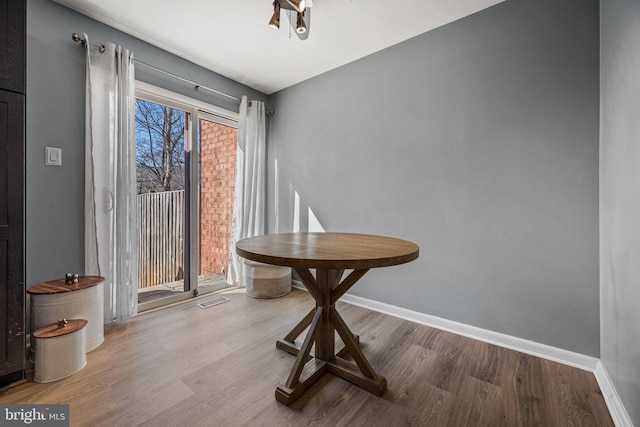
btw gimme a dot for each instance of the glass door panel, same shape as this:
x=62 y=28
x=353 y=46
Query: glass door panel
x=217 y=146
x=162 y=200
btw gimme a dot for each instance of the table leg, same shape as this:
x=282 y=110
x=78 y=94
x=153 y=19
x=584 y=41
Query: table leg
x=305 y=371
x=323 y=321
x=362 y=374
x=288 y=342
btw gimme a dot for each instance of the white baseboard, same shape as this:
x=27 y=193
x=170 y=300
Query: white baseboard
x=544 y=351
x=576 y=360
x=616 y=408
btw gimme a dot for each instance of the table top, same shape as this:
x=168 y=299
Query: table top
x=327 y=250
x=59 y=286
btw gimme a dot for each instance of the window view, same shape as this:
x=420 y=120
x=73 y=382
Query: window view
x=159 y=147
x=182 y=212
x=160 y=170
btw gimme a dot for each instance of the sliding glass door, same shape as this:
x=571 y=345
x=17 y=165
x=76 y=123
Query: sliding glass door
x=185 y=156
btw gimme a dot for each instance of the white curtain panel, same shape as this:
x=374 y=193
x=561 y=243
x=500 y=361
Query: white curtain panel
x=249 y=203
x=110 y=178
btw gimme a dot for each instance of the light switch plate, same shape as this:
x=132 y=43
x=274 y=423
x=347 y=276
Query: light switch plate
x=52 y=156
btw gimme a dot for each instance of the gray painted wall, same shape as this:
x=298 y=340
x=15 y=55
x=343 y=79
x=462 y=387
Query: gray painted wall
x=55 y=117
x=479 y=142
x=620 y=199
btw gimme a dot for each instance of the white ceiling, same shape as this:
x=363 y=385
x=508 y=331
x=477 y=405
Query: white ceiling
x=232 y=37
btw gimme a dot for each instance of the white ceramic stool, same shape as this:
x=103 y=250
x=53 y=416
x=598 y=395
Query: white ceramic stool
x=266 y=280
x=61 y=350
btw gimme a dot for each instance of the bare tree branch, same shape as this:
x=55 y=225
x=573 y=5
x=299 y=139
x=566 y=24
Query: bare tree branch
x=159 y=147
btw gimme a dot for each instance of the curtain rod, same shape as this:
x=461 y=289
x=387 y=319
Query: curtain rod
x=76 y=38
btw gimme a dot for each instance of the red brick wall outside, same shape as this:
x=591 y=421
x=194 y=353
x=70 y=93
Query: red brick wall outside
x=218 y=146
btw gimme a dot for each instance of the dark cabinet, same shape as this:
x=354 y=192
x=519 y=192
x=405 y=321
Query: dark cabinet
x=12 y=188
x=12 y=45
x=12 y=286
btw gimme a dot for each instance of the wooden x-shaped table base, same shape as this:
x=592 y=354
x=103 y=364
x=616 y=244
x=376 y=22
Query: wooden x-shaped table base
x=326 y=288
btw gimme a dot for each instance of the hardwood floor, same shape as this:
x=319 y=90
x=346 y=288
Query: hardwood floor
x=186 y=366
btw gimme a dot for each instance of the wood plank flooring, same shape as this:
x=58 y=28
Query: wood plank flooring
x=185 y=366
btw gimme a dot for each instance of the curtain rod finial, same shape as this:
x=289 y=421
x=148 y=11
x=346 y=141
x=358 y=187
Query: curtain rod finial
x=76 y=38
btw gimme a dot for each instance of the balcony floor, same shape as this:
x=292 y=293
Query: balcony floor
x=165 y=290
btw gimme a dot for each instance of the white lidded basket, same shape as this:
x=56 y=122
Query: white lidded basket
x=82 y=304
x=61 y=350
x=265 y=280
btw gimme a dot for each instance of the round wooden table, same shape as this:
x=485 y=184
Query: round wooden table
x=330 y=254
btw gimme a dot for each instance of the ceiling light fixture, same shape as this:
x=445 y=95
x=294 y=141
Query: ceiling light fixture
x=301 y=27
x=298 y=5
x=299 y=21
x=275 y=19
